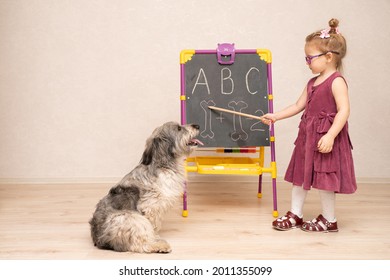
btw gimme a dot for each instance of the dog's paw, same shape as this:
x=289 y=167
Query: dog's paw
x=162 y=246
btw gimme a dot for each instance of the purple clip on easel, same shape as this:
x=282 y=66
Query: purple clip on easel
x=226 y=51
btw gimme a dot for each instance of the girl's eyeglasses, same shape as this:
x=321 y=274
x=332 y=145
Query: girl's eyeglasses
x=309 y=58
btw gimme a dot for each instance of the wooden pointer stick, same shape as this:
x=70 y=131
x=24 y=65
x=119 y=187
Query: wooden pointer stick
x=236 y=113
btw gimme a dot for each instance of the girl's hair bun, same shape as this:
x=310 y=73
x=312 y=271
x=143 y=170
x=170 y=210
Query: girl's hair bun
x=333 y=24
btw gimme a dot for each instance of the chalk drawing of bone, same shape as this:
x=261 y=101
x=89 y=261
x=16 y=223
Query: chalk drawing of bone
x=208 y=131
x=240 y=132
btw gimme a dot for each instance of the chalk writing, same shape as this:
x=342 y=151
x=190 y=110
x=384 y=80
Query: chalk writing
x=200 y=75
x=258 y=125
x=241 y=86
x=208 y=130
x=239 y=132
x=228 y=78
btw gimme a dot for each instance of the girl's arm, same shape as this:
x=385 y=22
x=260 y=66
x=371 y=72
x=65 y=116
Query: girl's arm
x=289 y=111
x=340 y=93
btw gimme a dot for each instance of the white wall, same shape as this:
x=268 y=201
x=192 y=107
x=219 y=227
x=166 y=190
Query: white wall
x=83 y=83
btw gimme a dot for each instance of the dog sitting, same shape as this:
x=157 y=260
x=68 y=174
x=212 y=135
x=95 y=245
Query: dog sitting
x=129 y=217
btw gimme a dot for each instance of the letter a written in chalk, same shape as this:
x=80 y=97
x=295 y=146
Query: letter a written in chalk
x=201 y=80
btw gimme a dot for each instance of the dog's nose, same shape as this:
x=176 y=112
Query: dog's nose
x=195 y=126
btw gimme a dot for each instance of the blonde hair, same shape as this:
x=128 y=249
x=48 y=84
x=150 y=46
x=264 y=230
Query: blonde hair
x=330 y=40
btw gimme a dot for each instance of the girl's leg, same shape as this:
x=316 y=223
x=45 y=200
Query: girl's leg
x=298 y=196
x=326 y=222
x=328 y=200
x=293 y=218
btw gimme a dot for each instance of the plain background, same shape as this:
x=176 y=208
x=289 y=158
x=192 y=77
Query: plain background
x=84 y=83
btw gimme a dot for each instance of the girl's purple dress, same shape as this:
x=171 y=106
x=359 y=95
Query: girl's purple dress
x=308 y=167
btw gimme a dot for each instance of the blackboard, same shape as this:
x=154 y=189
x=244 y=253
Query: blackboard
x=241 y=86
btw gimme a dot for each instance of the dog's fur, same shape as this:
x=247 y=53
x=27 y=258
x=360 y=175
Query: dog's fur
x=129 y=217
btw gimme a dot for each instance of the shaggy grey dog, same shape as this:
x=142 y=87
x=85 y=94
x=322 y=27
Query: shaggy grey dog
x=129 y=217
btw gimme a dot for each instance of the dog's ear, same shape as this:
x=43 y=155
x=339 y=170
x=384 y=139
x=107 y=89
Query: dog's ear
x=147 y=156
x=160 y=147
x=150 y=151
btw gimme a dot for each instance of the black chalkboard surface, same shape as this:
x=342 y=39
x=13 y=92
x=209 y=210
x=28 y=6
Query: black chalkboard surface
x=240 y=86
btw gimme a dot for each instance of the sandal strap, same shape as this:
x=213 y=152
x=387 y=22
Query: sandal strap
x=323 y=220
x=290 y=214
x=288 y=221
x=326 y=222
x=316 y=224
x=285 y=223
x=320 y=224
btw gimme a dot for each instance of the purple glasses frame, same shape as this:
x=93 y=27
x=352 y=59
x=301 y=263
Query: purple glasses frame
x=309 y=58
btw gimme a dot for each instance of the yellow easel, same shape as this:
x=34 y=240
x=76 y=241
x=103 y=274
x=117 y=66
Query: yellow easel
x=232 y=165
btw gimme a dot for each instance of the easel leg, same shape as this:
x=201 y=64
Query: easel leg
x=259 y=194
x=275 y=212
x=185 y=211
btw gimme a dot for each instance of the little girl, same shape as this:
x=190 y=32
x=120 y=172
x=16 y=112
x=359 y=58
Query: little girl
x=322 y=156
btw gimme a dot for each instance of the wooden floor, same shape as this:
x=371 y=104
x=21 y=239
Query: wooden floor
x=226 y=221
